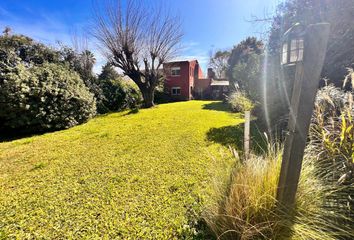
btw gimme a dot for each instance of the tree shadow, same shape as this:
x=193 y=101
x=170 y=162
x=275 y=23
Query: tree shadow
x=227 y=136
x=12 y=136
x=232 y=136
x=132 y=111
x=217 y=106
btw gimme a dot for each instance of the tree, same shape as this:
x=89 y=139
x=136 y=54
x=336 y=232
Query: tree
x=218 y=61
x=244 y=64
x=40 y=97
x=118 y=94
x=241 y=52
x=86 y=60
x=138 y=39
x=339 y=55
x=247 y=74
x=108 y=72
x=340 y=52
x=7 y=31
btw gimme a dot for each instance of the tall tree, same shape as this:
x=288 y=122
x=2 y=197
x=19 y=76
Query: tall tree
x=339 y=55
x=138 y=39
x=218 y=61
x=7 y=31
x=244 y=63
x=87 y=60
x=108 y=72
x=340 y=14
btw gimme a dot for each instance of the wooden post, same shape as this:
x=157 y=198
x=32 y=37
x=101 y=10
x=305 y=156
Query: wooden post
x=247 y=133
x=302 y=103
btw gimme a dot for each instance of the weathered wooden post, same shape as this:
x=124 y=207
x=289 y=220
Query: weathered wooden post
x=305 y=49
x=247 y=134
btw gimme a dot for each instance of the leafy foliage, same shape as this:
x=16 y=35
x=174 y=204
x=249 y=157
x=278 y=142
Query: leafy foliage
x=29 y=51
x=239 y=102
x=247 y=74
x=219 y=62
x=120 y=176
x=241 y=52
x=339 y=55
x=118 y=94
x=41 y=98
x=339 y=14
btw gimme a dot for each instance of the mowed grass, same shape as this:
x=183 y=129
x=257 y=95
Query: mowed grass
x=143 y=175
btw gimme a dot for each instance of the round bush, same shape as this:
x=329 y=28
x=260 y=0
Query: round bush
x=118 y=94
x=41 y=98
x=239 y=102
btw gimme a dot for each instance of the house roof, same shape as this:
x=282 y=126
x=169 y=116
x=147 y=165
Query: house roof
x=219 y=83
x=181 y=61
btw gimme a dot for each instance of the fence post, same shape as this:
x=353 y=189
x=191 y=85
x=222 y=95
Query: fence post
x=247 y=133
x=302 y=103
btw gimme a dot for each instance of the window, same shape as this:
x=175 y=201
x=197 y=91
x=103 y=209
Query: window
x=296 y=50
x=175 y=71
x=295 y=53
x=176 y=91
x=284 y=59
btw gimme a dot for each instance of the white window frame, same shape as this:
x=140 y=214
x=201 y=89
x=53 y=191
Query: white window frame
x=176 y=93
x=174 y=71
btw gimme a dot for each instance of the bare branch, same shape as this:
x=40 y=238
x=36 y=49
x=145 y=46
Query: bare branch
x=138 y=39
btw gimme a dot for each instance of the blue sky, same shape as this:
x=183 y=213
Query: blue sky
x=207 y=24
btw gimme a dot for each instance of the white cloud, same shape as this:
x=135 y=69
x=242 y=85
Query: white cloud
x=48 y=30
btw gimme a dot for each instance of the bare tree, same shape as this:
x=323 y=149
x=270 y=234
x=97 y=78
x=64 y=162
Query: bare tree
x=7 y=31
x=218 y=61
x=138 y=39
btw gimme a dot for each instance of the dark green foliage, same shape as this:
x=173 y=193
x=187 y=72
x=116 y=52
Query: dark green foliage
x=340 y=14
x=82 y=63
x=247 y=74
x=245 y=68
x=161 y=96
x=40 y=98
x=339 y=56
x=241 y=52
x=28 y=50
x=117 y=93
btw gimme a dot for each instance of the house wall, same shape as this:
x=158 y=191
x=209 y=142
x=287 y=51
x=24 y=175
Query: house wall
x=202 y=88
x=185 y=80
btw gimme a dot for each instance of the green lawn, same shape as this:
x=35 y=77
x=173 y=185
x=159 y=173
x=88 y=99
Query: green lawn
x=124 y=175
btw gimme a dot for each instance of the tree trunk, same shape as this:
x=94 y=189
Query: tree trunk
x=148 y=97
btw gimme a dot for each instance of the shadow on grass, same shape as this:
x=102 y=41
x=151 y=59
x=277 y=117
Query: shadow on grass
x=132 y=111
x=227 y=136
x=12 y=136
x=233 y=136
x=217 y=106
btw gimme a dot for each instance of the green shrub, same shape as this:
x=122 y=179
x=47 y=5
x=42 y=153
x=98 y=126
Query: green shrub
x=28 y=50
x=160 y=95
x=118 y=94
x=247 y=209
x=239 y=102
x=41 y=97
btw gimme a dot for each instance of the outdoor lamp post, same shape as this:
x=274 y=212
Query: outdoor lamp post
x=293 y=46
x=303 y=49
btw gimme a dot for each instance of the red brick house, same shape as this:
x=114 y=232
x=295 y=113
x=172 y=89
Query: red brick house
x=185 y=81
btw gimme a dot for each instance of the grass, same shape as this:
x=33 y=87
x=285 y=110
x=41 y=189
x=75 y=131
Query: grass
x=247 y=209
x=131 y=175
